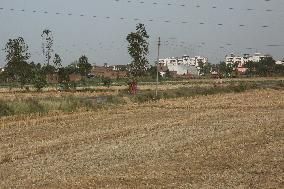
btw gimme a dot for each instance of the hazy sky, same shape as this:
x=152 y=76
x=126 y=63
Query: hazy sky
x=212 y=28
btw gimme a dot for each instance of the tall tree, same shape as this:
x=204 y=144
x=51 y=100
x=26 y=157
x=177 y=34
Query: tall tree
x=84 y=66
x=47 y=44
x=17 y=68
x=138 y=49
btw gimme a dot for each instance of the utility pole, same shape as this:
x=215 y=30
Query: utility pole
x=157 y=81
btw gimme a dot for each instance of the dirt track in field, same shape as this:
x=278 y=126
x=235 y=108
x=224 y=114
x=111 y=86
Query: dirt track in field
x=220 y=141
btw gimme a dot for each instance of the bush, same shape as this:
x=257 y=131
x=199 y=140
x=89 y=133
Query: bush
x=26 y=106
x=5 y=110
x=189 y=92
x=33 y=106
x=107 y=81
x=70 y=104
x=39 y=82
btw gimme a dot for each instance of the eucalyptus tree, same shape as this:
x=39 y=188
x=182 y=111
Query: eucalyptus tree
x=138 y=49
x=47 y=45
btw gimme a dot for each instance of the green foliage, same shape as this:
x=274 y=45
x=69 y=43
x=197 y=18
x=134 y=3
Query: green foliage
x=84 y=66
x=65 y=104
x=205 y=69
x=107 y=81
x=138 y=49
x=57 y=61
x=48 y=69
x=266 y=67
x=2 y=77
x=63 y=77
x=168 y=74
x=225 y=70
x=38 y=76
x=17 y=68
x=70 y=104
x=26 y=106
x=190 y=92
x=39 y=81
x=5 y=110
x=152 y=72
x=279 y=69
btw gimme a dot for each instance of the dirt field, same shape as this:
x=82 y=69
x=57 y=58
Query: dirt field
x=220 y=141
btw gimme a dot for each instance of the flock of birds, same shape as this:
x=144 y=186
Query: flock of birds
x=146 y=20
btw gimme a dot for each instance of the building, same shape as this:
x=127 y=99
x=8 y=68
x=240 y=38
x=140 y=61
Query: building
x=54 y=78
x=240 y=61
x=280 y=62
x=108 y=72
x=182 y=69
x=182 y=66
x=184 y=60
x=75 y=77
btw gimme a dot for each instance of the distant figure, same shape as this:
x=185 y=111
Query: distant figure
x=132 y=87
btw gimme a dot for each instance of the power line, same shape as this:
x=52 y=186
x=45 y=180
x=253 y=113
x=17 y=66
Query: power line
x=95 y=17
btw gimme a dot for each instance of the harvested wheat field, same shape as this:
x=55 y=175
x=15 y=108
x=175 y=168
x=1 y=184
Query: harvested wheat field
x=218 y=141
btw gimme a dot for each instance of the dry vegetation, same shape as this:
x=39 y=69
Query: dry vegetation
x=17 y=93
x=219 y=141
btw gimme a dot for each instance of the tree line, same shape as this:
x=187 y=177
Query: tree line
x=21 y=70
x=266 y=67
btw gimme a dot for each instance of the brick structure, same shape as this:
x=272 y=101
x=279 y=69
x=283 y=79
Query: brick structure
x=108 y=72
x=54 y=78
x=75 y=77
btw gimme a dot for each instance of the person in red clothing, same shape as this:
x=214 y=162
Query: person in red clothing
x=132 y=87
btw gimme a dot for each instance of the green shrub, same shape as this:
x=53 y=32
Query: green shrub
x=107 y=81
x=5 y=109
x=26 y=106
x=71 y=104
x=33 y=106
x=39 y=82
x=189 y=92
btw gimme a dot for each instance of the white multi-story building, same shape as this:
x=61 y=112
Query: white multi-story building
x=184 y=65
x=184 y=60
x=240 y=61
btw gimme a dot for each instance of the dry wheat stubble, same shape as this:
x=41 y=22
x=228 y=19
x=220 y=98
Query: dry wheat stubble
x=218 y=141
